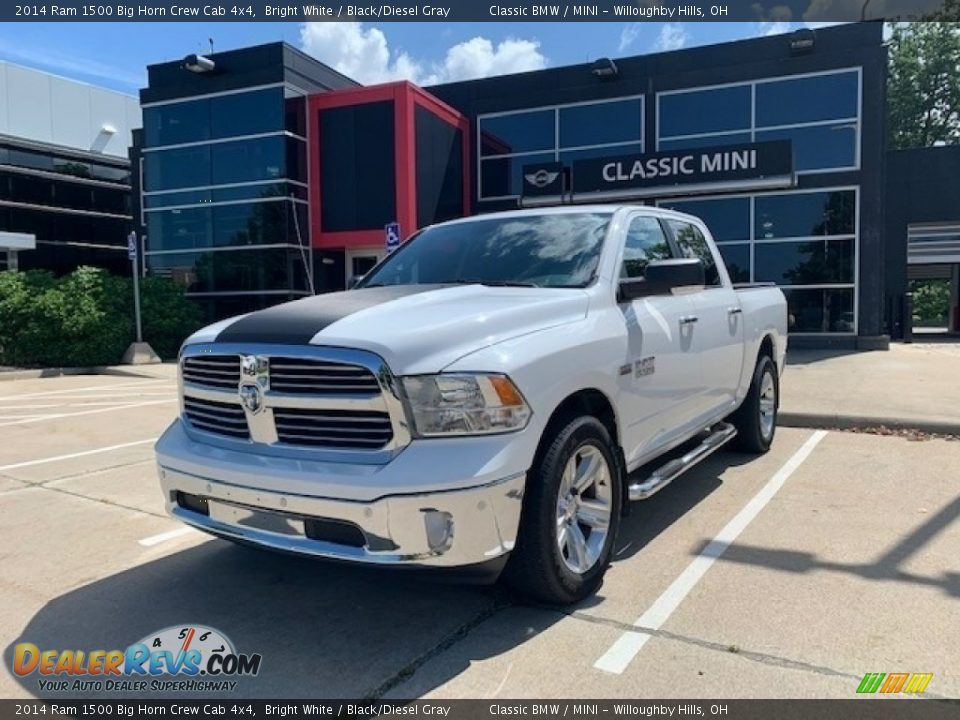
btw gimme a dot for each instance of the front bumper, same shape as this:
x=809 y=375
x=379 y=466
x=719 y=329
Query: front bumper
x=444 y=528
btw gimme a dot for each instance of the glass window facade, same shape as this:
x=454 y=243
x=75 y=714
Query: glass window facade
x=223 y=116
x=819 y=113
x=78 y=208
x=235 y=177
x=509 y=141
x=805 y=242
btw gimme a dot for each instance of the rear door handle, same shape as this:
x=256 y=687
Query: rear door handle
x=688 y=319
x=734 y=311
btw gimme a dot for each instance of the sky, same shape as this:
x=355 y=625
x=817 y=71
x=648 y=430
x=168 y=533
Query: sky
x=115 y=55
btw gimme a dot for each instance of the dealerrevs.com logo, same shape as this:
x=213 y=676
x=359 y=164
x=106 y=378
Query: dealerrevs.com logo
x=201 y=658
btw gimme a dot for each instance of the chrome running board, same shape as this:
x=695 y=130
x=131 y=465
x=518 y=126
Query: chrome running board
x=720 y=435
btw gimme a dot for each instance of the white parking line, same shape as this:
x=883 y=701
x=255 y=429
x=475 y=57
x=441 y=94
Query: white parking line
x=71 y=456
x=85 y=412
x=64 y=391
x=163 y=537
x=625 y=648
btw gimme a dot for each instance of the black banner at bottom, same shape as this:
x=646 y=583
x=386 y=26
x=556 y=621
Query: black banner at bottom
x=863 y=708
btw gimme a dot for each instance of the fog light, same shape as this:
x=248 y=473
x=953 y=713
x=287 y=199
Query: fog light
x=439 y=526
x=193 y=503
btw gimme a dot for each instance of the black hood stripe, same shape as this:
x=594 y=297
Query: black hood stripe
x=296 y=323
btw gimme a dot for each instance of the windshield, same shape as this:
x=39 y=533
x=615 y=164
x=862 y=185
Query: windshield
x=551 y=250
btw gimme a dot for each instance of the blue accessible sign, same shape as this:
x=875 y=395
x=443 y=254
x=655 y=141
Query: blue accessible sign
x=392 y=236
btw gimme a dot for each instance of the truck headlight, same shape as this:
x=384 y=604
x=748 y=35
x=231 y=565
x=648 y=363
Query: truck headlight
x=454 y=404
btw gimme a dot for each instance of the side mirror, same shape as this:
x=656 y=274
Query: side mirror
x=661 y=277
x=353 y=281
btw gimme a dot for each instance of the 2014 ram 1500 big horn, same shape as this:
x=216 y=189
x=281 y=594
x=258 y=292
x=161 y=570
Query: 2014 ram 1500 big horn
x=489 y=397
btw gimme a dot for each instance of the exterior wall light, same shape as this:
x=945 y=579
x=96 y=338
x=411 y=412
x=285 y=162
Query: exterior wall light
x=604 y=68
x=198 y=64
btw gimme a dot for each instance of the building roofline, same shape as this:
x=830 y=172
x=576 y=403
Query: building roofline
x=132 y=96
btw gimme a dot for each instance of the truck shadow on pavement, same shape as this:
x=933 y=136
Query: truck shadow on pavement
x=885 y=568
x=324 y=630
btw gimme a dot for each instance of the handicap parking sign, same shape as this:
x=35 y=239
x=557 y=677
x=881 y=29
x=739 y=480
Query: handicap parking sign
x=392 y=240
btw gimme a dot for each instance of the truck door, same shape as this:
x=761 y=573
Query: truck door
x=660 y=374
x=718 y=332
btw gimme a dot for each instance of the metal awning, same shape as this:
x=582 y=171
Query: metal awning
x=17 y=241
x=933 y=244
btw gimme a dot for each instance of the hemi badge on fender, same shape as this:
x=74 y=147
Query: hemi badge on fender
x=625 y=369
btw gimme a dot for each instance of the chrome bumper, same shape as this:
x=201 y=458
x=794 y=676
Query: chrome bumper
x=452 y=528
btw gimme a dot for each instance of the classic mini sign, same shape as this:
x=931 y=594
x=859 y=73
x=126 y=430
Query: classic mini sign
x=765 y=164
x=731 y=163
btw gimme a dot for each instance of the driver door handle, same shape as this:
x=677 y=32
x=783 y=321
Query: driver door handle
x=688 y=319
x=734 y=311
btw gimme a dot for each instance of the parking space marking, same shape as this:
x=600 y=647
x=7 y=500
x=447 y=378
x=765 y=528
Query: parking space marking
x=56 y=416
x=163 y=537
x=71 y=456
x=616 y=659
x=87 y=388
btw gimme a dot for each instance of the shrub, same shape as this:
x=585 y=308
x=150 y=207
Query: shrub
x=86 y=318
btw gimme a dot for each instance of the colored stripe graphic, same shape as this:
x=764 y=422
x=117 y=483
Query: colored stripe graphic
x=918 y=682
x=870 y=682
x=894 y=682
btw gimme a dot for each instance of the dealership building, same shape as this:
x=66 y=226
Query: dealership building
x=64 y=172
x=267 y=176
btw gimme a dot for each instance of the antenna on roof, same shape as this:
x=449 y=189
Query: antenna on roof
x=210 y=40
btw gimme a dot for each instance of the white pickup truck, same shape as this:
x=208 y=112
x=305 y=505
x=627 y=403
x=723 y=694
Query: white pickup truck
x=488 y=398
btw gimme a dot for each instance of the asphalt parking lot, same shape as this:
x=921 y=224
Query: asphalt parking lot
x=788 y=575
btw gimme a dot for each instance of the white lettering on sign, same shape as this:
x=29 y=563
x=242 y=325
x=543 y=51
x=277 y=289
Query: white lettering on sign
x=735 y=160
x=666 y=167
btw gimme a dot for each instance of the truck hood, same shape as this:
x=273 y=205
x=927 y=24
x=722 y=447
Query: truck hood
x=415 y=328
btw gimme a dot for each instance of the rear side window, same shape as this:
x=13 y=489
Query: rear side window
x=645 y=242
x=694 y=245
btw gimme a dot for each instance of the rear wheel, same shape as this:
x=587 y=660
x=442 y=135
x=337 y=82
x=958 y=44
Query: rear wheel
x=756 y=418
x=570 y=516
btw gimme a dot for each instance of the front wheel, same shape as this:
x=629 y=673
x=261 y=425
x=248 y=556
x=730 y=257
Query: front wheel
x=570 y=516
x=756 y=418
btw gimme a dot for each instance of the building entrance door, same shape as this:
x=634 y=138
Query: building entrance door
x=360 y=262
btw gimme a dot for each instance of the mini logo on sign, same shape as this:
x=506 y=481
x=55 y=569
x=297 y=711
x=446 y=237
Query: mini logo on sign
x=252 y=398
x=541 y=178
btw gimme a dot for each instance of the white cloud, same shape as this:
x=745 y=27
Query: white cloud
x=364 y=54
x=773 y=28
x=628 y=36
x=672 y=36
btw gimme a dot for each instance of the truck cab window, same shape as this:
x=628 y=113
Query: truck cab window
x=645 y=242
x=694 y=245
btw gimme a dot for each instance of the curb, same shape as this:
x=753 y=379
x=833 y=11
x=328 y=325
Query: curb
x=35 y=373
x=864 y=422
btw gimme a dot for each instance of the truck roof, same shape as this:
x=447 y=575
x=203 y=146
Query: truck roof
x=608 y=208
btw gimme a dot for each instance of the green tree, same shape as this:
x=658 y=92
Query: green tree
x=923 y=92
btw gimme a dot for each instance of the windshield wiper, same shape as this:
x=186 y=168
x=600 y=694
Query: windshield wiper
x=494 y=283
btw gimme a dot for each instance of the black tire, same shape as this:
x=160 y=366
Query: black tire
x=754 y=433
x=538 y=567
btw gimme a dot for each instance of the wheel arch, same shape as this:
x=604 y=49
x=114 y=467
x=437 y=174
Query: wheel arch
x=593 y=402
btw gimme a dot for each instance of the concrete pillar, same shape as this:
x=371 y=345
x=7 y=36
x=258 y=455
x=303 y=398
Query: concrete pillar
x=12 y=263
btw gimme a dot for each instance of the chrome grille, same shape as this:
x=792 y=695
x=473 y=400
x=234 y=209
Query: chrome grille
x=353 y=429
x=217 y=417
x=309 y=402
x=218 y=371
x=320 y=377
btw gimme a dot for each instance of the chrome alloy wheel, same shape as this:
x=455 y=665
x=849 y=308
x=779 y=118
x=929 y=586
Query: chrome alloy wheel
x=584 y=505
x=768 y=405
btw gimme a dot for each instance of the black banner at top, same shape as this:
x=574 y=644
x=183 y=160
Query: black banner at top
x=799 y=11
x=677 y=168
